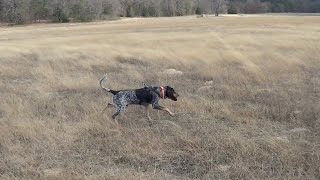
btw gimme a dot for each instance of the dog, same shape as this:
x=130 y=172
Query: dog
x=143 y=96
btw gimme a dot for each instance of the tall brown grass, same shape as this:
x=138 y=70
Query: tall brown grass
x=249 y=105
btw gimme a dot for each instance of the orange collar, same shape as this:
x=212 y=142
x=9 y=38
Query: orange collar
x=162 y=92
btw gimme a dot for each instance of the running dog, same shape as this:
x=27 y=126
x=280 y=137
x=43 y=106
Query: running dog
x=143 y=96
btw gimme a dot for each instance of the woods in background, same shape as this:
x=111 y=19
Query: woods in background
x=29 y=11
x=263 y=6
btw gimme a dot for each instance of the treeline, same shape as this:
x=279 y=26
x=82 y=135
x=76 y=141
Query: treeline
x=263 y=6
x=29 y=11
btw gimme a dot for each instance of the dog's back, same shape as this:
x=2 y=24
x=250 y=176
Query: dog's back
x=134 y=96
x=145 y=94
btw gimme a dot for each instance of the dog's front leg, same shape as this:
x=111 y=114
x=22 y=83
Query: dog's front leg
x=163 y=109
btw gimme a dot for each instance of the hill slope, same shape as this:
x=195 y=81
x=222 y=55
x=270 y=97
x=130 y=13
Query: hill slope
x=249 y=105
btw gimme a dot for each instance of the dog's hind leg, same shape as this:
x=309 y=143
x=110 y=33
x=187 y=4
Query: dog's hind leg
x=147 y=112
x=115 y=114
x=120 y=109
x=108 y=105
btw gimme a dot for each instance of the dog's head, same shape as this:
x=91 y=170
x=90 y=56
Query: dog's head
x=171 y=94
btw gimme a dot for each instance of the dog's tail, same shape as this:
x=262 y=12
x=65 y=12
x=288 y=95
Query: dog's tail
x=105 y=88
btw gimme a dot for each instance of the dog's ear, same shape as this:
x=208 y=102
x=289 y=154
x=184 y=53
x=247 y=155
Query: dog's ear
x=169 y=91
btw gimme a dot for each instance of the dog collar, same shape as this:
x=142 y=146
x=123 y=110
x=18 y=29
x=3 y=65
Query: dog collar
x=162 y=92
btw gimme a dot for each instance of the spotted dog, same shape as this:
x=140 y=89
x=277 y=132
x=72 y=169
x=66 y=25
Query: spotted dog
x=143 y=96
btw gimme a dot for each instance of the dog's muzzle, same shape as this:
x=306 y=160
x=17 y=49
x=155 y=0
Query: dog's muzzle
x=175 y=95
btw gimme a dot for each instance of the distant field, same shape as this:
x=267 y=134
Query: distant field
x=248 y=107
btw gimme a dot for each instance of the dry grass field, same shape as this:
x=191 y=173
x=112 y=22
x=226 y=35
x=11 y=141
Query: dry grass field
x=248 y=107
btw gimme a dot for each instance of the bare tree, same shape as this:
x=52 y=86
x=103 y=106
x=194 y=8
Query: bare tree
x=218 y=6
